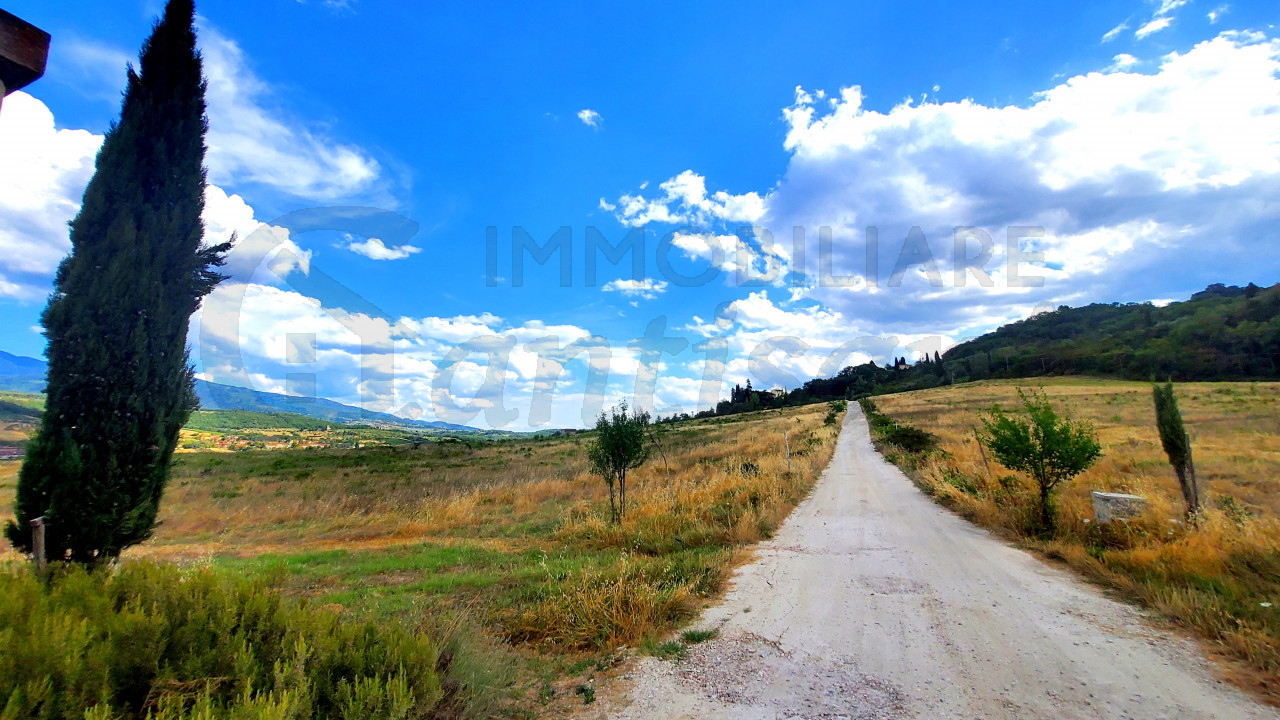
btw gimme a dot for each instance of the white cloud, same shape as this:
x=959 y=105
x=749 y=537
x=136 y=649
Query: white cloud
x=375 y=249
x=590 y=118
x=1216 y=14
x=252 y=141
x=96 y=70
x=647 y=288
x=1155 y=26
x=1146 y=185
x=1122 y=62
x=1114 y=32
x=262 y=253
x=684 y=200
x=42 y=179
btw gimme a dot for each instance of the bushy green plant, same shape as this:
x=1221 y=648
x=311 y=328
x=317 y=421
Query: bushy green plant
x=621 y=444
x=1048 y=447
x=834 y=409
x=150 y=640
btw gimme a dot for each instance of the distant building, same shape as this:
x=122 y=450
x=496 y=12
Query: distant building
x=11 y=453
x=778 y=392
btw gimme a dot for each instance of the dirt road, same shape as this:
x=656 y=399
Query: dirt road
x=873 y=602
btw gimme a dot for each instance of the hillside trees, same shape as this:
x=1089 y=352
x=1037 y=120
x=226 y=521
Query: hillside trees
x=119 y=382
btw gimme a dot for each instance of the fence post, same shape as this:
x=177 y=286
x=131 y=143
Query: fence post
x=37 y=543
x=786 y=437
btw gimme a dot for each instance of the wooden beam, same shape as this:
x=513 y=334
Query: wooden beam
x=24 y=48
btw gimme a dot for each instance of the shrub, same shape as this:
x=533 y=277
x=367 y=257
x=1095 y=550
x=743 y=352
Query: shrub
x=147 y=640
x=1050 y=448
x=909 y=438
x=619 y=446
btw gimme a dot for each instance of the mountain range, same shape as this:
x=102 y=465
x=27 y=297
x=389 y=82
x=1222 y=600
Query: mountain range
x=26 y=374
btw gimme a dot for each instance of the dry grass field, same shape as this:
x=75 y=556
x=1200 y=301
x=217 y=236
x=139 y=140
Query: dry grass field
x=505 y=543
x=1220 y=578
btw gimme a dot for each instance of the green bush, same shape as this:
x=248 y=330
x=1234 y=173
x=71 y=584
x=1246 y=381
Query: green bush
x=144 y=640
x=910 y=438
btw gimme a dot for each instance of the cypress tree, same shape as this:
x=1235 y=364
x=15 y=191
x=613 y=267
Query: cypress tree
x=120 y=385
x=1177 y=445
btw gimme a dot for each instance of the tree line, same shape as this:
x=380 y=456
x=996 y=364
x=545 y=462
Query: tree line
x=1221 y=333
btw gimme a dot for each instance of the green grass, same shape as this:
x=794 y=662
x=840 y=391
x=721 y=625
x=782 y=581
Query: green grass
x=498 y=551
x=693 y=637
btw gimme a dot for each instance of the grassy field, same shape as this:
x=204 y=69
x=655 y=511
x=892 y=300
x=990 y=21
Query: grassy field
x=1220 y=578
x=504 y=545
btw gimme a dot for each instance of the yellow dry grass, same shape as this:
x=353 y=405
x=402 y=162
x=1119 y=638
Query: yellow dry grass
x=724 y=483
x=1220 y=577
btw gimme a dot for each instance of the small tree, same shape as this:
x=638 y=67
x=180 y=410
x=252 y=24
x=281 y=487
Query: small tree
x=1173 y=436
x=621 y=444
x=1050 y=448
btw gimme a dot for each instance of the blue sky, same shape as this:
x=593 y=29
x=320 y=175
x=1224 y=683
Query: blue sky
x=1139 y=142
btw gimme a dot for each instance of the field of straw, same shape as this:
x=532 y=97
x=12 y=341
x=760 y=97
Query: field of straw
x=1219 y=577
x=507 y=543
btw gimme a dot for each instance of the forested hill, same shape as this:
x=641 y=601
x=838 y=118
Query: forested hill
x=1221 y=333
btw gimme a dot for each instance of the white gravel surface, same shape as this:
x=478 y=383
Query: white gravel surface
x=873 y=602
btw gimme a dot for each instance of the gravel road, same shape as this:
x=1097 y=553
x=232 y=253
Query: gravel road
x=873 y=602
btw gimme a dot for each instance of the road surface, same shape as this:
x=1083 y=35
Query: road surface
x=873 y=602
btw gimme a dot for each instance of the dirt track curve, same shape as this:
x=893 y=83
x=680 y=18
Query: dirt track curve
x=873 y=602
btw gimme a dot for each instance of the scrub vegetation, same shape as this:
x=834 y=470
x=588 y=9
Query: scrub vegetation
x=1217 y=574
x=500 y=556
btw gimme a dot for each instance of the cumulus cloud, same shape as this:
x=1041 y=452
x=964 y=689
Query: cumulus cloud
x=1142 y=186
x=475 y=369
x=784 y=344
x=684 y=200
x=41 y=190
x=1123 y=61
x=252 y=141
x=375 y=249
x=42 y=179
x=590 y=118
x=647 y=288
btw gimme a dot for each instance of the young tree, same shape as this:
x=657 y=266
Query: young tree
x=1050 y=448
x=1173 y=436
x=119 y=382
x=620 y=445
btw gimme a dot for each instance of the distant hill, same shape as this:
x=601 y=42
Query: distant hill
x=21 y=374
x=241 y=420
x=26 y=375
x=1223 y=332
x=216 y=396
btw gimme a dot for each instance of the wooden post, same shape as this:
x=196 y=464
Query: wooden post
x=654 y=440
x=37 y=543
x=786 y=438
x=981 y=451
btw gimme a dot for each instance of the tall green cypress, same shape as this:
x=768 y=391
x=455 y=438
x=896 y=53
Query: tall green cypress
x=120 y=383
